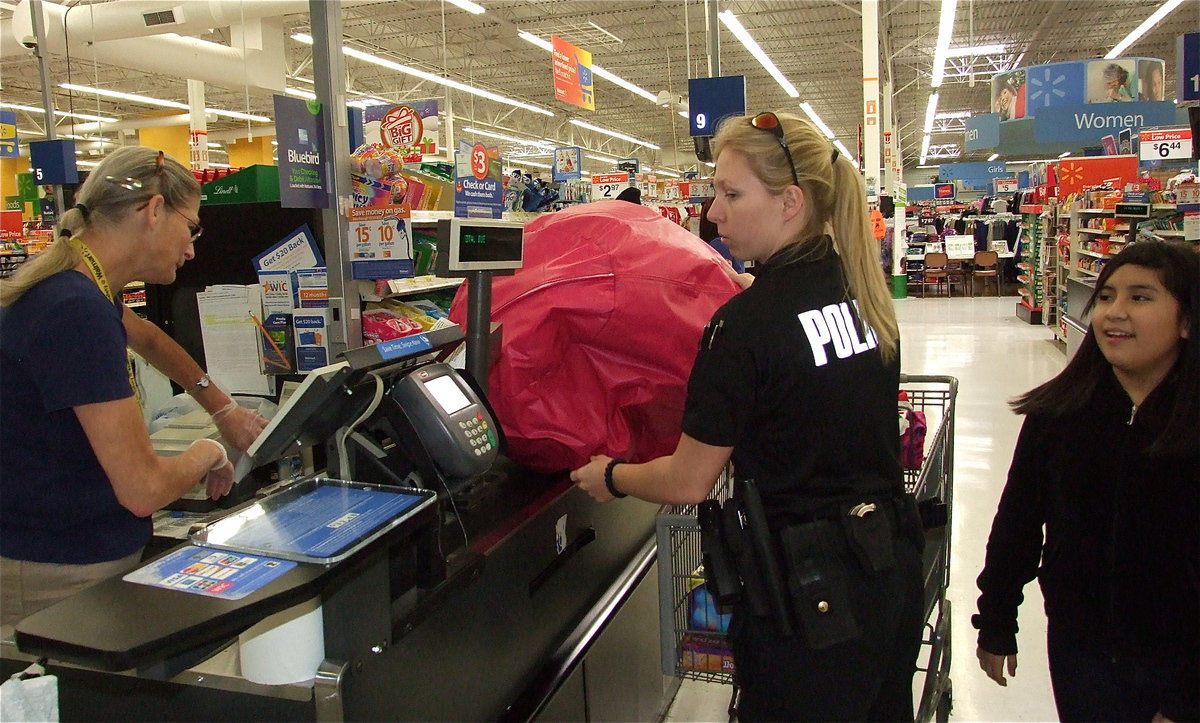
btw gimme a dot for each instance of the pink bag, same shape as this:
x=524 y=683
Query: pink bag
x=601 y=328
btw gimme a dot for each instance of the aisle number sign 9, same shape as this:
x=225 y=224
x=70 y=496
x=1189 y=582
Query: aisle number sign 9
x=1167 y=145
x=607 y=186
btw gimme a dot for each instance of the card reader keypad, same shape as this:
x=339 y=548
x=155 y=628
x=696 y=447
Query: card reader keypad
x=478 y=435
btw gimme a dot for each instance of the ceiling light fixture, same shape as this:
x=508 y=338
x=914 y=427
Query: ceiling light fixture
x=976 y=50
x=846 y=152
x=596 y=69
x=383 y=63
x=134 y=97
x=993 y=157
x=739 y=31
x=945 y=30
x=529 y=163
x=469 y=6
x=930 y=111
x=1142 y=29
x=812 y=115
x=602 y=159
x=1064 y=154
x=924 y=150
x=501 y=136
x=301 y=93
x=949 y=115
x=83 y=116
x=615 y=134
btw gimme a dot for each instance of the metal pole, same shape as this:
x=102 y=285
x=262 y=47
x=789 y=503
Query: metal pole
x=713 y=29
x=329 y=74
x=479 y=323
x=39 y=34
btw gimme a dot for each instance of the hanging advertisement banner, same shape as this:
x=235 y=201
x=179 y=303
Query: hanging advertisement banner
x=571 y=68
x=303 y=175
x=409 y=130
x=983 y=132
x=1187 y=64
x=478 y=182
x=381 y=242
x=568 y=163
x=1076 y=173
x=1087 y=124
x=975 y=171
x=1168 y=144
x=8 y=134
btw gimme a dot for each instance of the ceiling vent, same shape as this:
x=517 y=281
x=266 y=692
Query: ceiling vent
x=163 y=17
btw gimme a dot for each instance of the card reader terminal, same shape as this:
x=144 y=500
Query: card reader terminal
x=449 y=419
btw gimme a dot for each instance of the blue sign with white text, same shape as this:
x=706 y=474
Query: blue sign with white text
x=1089 y=123
x=711 y=100
x=53 y=162
x=972 y=171
x=1187 y=62
x=1056 y=84
x=300 y=131
x=8 y=134
x=983 y=132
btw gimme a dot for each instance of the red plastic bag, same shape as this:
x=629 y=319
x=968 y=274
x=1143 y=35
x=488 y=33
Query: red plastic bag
x=601 y=328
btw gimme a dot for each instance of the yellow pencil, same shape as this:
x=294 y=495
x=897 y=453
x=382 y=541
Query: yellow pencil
x=286 y=364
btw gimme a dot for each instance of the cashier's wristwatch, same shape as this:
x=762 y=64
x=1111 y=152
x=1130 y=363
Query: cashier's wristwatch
x=201 y=384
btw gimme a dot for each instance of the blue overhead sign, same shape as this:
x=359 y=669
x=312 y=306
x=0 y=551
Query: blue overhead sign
x=983 y=132
x=1187 y=62
x=1087 y=124
x=711 y=100
x=972 y=171
x=53 y=162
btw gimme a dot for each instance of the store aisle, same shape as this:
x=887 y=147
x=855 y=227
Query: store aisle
x=995 y=357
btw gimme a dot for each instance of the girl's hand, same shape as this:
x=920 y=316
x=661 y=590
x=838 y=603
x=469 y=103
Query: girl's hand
x=994 y=665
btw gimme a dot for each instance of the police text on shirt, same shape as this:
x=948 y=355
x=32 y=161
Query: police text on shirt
x=837 y=325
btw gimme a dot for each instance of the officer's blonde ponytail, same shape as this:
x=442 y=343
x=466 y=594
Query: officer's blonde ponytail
x=837 y=198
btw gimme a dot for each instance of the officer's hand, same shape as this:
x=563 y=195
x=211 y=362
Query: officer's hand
x=219 y=481
x=239 y=426
x=590 y=478
x=993 y=665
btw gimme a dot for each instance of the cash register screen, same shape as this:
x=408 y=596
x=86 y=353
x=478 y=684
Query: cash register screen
x=447 y=394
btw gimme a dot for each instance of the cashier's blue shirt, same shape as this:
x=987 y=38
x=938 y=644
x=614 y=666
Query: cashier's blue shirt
x=62 y=345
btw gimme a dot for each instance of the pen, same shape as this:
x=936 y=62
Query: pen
x=286 y=364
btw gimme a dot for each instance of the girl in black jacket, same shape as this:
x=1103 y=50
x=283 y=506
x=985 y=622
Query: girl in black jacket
x=1107 y=460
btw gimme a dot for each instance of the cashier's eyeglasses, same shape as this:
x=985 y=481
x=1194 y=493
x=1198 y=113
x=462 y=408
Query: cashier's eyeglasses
x=770 y=123
x=194 y=227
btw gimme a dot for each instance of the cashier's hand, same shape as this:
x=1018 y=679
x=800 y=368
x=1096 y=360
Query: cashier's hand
x=219 y=481
x=994 y=665
x=590 y=478
x=239 y=426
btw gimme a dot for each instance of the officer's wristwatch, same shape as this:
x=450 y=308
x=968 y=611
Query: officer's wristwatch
x=201 y=384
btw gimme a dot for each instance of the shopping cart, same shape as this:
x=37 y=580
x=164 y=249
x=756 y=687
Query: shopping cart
x=701 y=653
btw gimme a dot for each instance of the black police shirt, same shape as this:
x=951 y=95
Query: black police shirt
x=788 y=376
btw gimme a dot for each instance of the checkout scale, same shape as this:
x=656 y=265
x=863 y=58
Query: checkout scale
x=423 y=574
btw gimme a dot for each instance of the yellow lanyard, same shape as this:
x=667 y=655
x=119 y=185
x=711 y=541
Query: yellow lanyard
x=98 y=274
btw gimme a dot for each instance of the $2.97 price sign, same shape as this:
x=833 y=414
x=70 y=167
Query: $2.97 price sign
x=607 y=186
x=1166 y=145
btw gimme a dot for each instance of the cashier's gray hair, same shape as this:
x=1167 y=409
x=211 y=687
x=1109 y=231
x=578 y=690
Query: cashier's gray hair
x=838 y=196
x=122 y=183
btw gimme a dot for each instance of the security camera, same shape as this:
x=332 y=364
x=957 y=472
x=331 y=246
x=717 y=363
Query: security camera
x=29 y=41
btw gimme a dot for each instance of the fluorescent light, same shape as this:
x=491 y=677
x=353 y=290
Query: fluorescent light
x=468 y=6
x=662 y=172
x=596 y=69
x=126 y=96
x=529 y=163
x=238 y=114
x=929 y=165
x=710 y=165
x=930 y=111
x=1141 y=30
x=993 y=157
x=368 y=58
x=84 y=116
x=90 y=164
x=924 y=149
x=219 y=165
x=846 y=152
x=945 y=30
x=948 y=115
x=215 y=145
x=976 y=50
x=740 y=32
x=501 y=136
x=1064 y=154
x=683 y=114
x=301 y=93
x=812 y=115
x=602 y=159
x=615 y=134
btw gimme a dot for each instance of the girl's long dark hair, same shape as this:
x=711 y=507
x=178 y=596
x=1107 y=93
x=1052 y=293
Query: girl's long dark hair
x=1178 y=268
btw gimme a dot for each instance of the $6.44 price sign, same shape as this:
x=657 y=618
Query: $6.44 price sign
x=1166 y=145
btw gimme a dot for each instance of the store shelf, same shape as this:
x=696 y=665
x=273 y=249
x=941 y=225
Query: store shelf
x=1089 y=273
x=1095 y=254
x=1166 y=232
x=1099 y=231
x=1105 y=211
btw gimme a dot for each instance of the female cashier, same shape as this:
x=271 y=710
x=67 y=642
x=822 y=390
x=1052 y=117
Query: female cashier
x=796 y=381
x=80 y=479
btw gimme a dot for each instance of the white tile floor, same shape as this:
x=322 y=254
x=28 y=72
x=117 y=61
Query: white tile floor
x=995 y=356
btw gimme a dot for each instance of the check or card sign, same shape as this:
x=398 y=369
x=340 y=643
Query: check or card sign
x=1166 y=145
x=607 y=186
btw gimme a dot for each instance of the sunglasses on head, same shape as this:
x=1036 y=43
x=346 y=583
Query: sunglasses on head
x=770 y=123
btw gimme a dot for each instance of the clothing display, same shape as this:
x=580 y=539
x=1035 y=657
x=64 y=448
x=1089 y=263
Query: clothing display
x=1120 y=525
x=61 y=345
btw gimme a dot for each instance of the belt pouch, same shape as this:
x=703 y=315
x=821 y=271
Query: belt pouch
x=819 y=583
x=871 y=537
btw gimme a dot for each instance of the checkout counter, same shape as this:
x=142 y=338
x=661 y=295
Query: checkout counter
x=452 y=584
